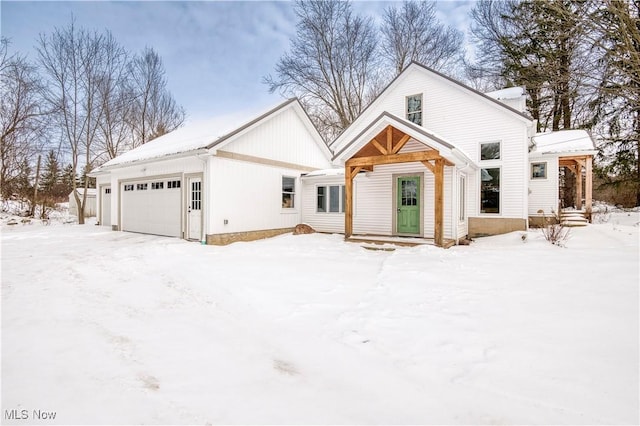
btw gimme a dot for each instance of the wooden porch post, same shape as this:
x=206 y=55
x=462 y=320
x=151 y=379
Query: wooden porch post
x=578 y=185
x=588 y=188
x=348 y=196
x=439 y=203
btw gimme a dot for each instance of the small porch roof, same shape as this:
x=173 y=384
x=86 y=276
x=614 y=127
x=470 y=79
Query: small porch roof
x=445 y=148
x=563 y=142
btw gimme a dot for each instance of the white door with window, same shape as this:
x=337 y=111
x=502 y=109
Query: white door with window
x=194 y=208
x=105 y=206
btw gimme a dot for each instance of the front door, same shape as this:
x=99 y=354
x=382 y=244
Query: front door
x=408 y=205
x=194 y=208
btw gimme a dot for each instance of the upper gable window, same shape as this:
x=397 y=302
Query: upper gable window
x=490 y=151
x=414 y=109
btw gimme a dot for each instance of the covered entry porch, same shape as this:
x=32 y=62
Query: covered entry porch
x=411 y=159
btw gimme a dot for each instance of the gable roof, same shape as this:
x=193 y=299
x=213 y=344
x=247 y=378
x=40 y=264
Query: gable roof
x=416 y=65
x=202 y=136
x=446 y=149
x=563 y=141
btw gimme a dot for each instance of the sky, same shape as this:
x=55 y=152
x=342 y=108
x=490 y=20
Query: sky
x=216 y=53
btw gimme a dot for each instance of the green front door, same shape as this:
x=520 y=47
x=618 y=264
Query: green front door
x=408 y=205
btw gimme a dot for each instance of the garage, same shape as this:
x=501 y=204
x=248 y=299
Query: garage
x=152 y=206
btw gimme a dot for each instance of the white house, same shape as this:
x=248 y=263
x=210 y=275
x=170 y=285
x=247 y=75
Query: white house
x=433 y=158
x=428 y=158
x=232 y=178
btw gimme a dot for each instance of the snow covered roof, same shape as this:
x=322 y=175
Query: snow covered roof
x=193 y=137
x=508 y=93
x=563 y=141
x=326 y=172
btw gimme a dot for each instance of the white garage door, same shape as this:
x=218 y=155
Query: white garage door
x=105 y=206
x=152 y=207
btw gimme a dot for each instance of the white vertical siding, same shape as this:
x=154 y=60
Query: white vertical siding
x=249 y=196
x=543 y=193
x=283 y=137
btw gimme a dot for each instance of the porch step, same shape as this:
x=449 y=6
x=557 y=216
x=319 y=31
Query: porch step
x=573 y=218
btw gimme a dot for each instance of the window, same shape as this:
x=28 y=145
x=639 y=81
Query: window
x=490 y=190
x=414 y=109
x=490 y=151
x=128 y=187
x=538 y=170
x=173 y=184
x=321 y=195
x=157 y=185
x=288 y=192
x=334 y=197
x=107 y=190
x=141 y=187
x=463 y=189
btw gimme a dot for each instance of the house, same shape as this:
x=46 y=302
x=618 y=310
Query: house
x=435 y=159
x=90 y=203
x=429 y=158
x=232 y=178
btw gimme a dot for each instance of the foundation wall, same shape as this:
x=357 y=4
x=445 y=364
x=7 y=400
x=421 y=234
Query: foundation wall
x=233 y=237
x=484 y=226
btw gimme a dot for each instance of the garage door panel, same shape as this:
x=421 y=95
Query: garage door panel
x=151 y=210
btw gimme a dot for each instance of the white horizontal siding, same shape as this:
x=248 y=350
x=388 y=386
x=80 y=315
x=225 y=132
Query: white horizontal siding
x=543 y=193
x=463 y=119
x=282 y=137
x=249 y=196
x=320 y=221
x=374 y=203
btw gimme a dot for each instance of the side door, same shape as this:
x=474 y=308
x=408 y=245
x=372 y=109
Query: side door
x=194 y=208
x=408 y=205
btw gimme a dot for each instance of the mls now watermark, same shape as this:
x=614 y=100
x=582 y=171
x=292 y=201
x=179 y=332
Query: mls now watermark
x=29 y=415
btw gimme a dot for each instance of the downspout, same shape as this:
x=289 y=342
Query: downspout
x=205 y=191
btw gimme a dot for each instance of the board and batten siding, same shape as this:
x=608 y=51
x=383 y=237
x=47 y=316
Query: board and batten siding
x=283 y=137
x=543 y=193
x=331 y=222
x=249 y=197
x=464 y=119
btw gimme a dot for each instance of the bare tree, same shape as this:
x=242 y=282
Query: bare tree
x=115 y=97
x=75 y=63
x=412 y=32
x=331 y=66
x=21 y=124
x=154 y=111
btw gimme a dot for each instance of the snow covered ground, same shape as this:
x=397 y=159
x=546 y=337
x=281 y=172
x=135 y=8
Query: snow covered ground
x=109 y=327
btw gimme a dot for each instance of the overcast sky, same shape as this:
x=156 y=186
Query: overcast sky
x=215 y=53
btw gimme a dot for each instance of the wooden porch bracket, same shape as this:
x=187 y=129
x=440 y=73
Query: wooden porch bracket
x=366 y=159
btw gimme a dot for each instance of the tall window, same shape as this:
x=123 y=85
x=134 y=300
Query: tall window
x=490 y=190
x=288 y=192
x=321 y=197
x=463 y=190
x=414 y=109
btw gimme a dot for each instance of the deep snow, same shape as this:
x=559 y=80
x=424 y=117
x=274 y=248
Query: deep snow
x=110 y=327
